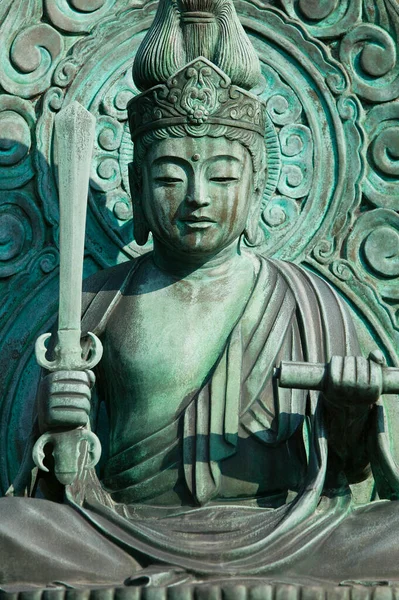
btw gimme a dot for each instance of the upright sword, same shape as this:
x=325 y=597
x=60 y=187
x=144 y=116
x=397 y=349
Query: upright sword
x=74 y=132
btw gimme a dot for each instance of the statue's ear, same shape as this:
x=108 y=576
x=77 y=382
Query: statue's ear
x=140 y=227
x=252 y=231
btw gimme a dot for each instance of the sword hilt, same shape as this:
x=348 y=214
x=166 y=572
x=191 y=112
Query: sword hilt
x=65 y=452
x=314 y=376
x=68 y=357
x=68 y=351
x=75 y=133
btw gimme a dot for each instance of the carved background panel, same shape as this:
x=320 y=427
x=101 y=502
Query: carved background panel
x=331 y=84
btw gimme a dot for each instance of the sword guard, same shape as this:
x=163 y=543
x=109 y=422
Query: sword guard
x=41 y=350
x=95 y=351
x=65 y=450
x=68 y=351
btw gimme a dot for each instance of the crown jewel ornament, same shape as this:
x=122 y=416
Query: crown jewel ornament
x=197 y=96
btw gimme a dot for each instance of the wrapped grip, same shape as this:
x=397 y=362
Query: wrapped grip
x=314 y=376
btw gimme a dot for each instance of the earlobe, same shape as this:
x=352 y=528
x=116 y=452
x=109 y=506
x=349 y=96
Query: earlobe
x=252 y=232
x=140 y=227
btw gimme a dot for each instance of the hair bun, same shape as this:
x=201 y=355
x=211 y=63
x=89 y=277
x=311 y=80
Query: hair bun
x=183 y=30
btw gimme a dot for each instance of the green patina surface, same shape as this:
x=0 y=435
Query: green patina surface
x=330 y=199
x=194 y=318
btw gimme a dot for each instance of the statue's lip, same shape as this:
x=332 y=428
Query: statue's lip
x=198 y=219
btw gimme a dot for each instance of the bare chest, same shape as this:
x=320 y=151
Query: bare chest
x=164 y=348
x=159 y=350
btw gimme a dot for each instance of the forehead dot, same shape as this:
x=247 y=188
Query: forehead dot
x=196 y=157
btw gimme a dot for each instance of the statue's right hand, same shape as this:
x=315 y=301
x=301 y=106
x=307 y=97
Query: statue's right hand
x=64 y=399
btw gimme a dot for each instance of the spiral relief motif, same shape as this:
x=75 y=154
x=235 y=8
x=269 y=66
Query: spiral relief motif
x=120 y=205
x=115 y=101
x=381 y=250
x=77 y=16
x=21 y=232
x=283 y=105
x=325 y=18
x=381 y=186
x=370 y=55
x=109 y=133
x=48 y=260
x=326 y=140
x=28 y=55
x=280 y=212
x=342 y=270
x=17 y=118
x=65 y=72
x=106 y=174
x=373 y=247
x=324 y=251
x=302 y=120
x=297 y=172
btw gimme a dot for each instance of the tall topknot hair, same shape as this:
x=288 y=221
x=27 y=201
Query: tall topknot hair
x=185 y=29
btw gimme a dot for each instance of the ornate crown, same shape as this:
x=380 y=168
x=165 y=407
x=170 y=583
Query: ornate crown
x=199 y=94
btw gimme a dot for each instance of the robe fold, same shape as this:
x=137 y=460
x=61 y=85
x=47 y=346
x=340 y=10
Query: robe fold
x=286 y=318
x=290 y=315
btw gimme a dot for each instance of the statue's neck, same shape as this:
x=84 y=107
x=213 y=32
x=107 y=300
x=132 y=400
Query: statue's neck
x=182 y=265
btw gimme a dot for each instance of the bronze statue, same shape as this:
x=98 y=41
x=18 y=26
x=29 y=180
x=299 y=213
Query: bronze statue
x=212 y=470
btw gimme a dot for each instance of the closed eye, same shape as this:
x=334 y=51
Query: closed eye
x=168 y=180
x=224 y=179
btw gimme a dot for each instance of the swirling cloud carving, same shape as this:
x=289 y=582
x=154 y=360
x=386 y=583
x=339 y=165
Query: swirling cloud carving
x=381 y=186
x=29 y=50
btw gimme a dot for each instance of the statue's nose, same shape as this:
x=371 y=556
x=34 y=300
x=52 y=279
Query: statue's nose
x=198 y=194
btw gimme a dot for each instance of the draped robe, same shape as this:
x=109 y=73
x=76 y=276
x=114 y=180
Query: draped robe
x=291 y=315
x=288 y=317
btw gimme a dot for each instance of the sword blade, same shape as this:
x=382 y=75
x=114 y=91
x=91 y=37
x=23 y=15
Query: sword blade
x=74 y=129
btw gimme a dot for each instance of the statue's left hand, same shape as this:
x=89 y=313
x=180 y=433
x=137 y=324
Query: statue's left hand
x=354 y=380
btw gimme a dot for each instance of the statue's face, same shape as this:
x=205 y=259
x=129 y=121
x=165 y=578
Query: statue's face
x=197 y=192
